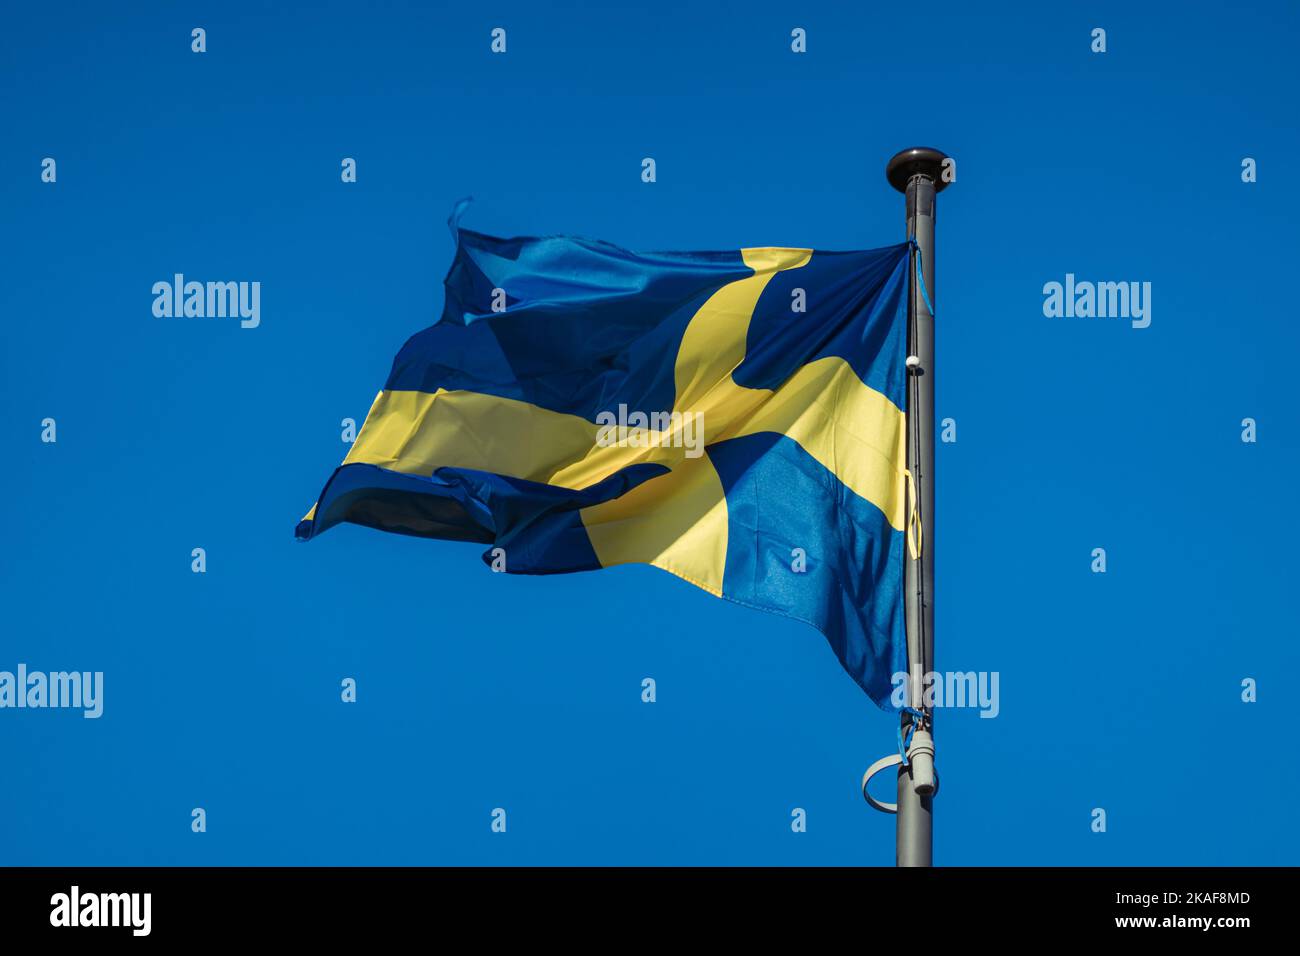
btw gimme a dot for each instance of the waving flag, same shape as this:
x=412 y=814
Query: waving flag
x=734 y=418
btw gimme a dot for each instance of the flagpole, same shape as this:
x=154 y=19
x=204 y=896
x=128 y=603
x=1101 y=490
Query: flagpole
x=918 y=174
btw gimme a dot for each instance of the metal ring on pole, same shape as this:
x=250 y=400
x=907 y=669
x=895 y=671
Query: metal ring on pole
x=893 y=760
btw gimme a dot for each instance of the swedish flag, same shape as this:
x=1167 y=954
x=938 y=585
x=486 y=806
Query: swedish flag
x=734 y=418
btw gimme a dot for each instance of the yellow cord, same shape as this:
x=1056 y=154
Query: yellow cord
x=914 y=529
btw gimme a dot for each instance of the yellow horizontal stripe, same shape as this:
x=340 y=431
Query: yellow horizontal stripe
x=416 y=432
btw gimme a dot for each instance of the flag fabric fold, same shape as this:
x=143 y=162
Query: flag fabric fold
x=734 y=418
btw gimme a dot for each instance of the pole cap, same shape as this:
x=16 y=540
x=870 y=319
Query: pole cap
x=918 y=159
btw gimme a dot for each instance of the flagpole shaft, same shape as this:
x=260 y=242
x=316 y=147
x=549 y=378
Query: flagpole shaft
x=918 y=174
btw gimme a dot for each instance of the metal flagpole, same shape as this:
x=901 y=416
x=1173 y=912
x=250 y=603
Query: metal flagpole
x=918 y=173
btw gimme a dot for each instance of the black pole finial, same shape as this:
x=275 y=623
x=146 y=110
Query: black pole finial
x=919 y=159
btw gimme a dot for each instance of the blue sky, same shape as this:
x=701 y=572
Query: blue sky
x=475 y=691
